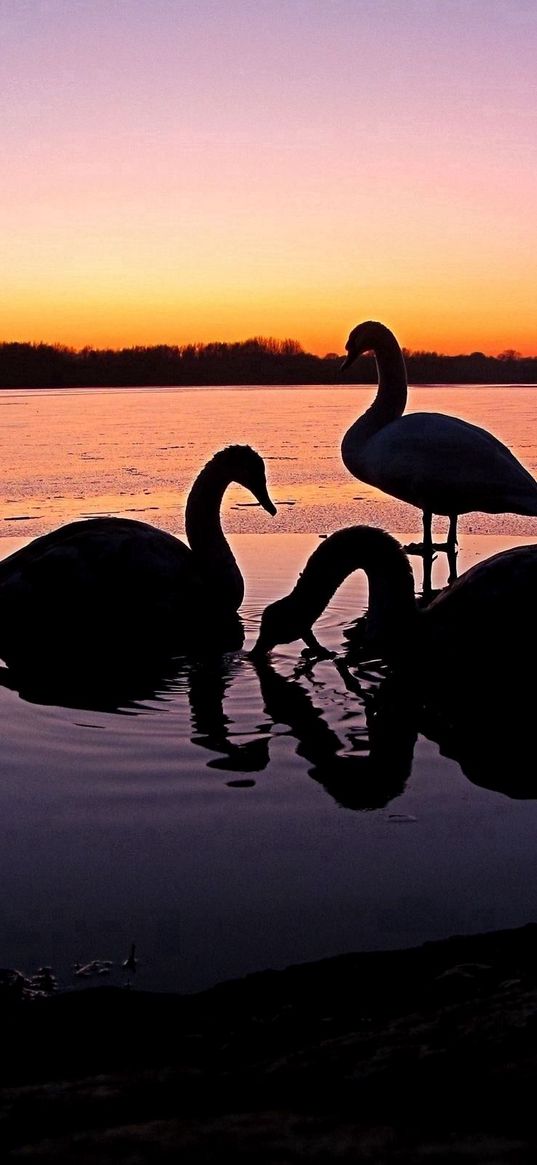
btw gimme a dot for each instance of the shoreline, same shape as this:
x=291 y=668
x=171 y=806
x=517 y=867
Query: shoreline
x=376 y=1056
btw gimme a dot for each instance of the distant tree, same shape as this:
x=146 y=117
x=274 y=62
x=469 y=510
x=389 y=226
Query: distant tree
x=291 y=348
x=258 y=360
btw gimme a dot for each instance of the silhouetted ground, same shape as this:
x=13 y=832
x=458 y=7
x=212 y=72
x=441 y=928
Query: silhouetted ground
x=420 y=1055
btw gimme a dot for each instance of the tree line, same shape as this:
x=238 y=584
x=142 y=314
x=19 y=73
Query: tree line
x=259 y=360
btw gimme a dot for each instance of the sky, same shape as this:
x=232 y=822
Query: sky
x=180 y=171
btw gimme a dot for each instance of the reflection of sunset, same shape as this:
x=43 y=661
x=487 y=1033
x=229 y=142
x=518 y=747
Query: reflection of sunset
x=177 y=175
x=136 y=453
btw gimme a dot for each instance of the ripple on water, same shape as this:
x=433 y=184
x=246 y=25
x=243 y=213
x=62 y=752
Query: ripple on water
x=230 y=821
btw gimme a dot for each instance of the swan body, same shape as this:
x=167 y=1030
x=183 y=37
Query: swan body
x=441 y=464
x=120 y=590
x=486 y=615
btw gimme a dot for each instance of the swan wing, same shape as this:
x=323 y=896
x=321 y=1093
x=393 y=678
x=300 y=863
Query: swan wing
x=94 y=586
x=488 y=613
x=446 y=465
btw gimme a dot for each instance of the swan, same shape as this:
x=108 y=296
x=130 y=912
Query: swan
x=441 y=464
x=486 y=616
x=121 y=590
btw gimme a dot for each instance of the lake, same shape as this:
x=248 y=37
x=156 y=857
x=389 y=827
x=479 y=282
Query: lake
x=226 y=822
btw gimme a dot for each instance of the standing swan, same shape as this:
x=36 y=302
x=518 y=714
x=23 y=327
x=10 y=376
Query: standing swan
x=441 y=464
x=487 y=615
x=115 y=590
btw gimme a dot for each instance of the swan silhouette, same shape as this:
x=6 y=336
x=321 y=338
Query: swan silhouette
x=116 y=590
x=441 y=464
x=362 y=779
x=486 y=616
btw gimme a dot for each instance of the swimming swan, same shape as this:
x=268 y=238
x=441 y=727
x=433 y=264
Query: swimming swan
x=441 y=464
x=120 y=589
x=487 y=615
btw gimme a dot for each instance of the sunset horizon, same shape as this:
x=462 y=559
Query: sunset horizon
x=268 y=562
x=184 y=173
x=320 y=352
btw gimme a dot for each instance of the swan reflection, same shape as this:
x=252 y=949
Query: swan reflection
x=359 y=767
x=208 y=683
x=120 y=692
x=360 y=745
x=356 y=727
x=493 y=739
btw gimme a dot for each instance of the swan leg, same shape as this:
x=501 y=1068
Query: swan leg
x=451 y=543
x=427 y=532
x=452 y=540
x=428 y=556
x=452 y=560
x=426 y=551
x=427 y=588
x=451 y=547
x=424 y=548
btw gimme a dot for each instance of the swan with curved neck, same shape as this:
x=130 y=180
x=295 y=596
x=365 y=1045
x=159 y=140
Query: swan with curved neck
x=488 y=613
x=116 y=588
x=208 y=543
x=441 y=464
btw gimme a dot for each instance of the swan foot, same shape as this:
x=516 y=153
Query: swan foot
x=449 y=547
x=424 y=551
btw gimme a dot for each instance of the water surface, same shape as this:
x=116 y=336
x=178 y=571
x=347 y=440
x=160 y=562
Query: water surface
x=228 y=821
x=135 y=452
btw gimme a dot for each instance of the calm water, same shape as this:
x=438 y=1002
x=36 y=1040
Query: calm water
x=229 y=821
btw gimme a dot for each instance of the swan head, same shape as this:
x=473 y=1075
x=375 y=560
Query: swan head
x=368 y=336
x=248 y=469
x=280 y=623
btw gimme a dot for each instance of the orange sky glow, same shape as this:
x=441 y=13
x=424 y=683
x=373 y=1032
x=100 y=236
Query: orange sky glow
x=184 y=172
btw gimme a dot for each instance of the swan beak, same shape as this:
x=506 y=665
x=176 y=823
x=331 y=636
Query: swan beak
x=347 y=362
x=267 y=504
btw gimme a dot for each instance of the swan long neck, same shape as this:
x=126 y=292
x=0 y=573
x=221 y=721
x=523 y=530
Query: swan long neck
x=390 y=401
x=391 y=397
x=392 y=607
x=204 y=529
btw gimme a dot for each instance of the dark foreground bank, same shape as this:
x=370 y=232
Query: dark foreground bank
x=417 y=1055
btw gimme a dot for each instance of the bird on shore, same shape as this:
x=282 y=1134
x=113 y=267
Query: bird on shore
x=441 y=464
x=94 y=968
x=106 y=591
x=483 y=622
x=130 y=963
